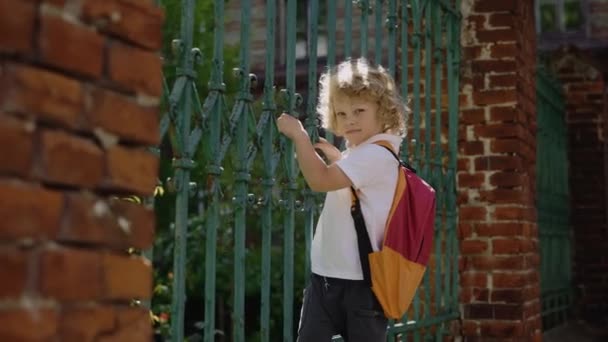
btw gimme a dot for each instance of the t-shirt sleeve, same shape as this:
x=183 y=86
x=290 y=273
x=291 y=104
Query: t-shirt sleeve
x=364 y=165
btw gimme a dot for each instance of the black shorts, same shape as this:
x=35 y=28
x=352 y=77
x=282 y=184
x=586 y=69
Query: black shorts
x=340 y=307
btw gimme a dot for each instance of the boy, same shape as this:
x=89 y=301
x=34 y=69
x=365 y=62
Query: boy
x=359 y=102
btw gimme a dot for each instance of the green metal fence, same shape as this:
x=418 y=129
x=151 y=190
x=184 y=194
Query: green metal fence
x=235 y=179
x=553 y=202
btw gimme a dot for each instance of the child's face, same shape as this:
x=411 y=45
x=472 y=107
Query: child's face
x=356 y=118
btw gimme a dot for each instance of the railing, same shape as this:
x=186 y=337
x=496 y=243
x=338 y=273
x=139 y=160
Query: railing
x=553 y=202
x=236 y=185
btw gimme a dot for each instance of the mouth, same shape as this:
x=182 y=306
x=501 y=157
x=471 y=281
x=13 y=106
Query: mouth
x=353 y=131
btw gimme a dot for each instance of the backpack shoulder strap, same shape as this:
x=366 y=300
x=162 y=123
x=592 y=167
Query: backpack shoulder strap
x=387 y=145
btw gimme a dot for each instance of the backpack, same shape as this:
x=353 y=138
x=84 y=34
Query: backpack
x=395 y=272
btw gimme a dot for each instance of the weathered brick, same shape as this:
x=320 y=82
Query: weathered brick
x=17 y=28
x=490 y=263
x=473 y=246
x=141 y=77
x=13 y=272
x=472 y=213
x=495 y=6
x=34 y=91
x=474 y=279
x=472 y=116
x=470 y=327
x=471 y=148
x=501 y=329
x=65 y=271
x=496 y=229
x=490 y=97
x=464 y=164
x=503 y=81
x=16 y=146
x=501 y=196
x=86 y=323
x=471 y=52
x=131 y=170
x=505 y=130
x=138 y=22
x=475 y=180
x=506 y=114
x=126 y=277
x=504 y=50
x=496 y=35
x=28 y=211
x=70 y=160
x=507 y=179
x=502 y=163
x=479 y=20
x=507 y=246
x=140 y=220
x=111 y=111
x=87 y=220
x=28 y=324
x=510 y=213
x=70 y=47
x=508 y=280
x=117 y=224
x=480 y=311
x=493 y=65
x=501 y=20
x=133 y=325
x=507 y=296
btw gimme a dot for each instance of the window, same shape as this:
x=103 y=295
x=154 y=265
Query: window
x=304 y=20
x=559 y=16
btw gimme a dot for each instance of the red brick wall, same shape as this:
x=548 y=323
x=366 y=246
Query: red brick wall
x=79 y=91
x=584 y=89
x=496 y=182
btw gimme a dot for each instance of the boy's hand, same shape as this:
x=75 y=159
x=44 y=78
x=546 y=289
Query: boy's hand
x=330 y=151
x=290 y=126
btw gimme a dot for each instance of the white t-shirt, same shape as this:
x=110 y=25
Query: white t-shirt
x=373 y=172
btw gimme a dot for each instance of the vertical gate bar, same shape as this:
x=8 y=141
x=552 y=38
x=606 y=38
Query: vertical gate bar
x=269 y=108
x=426 y=169
x=241 y=177
x=416 y=41
x=348 y=28
x=453 y=81
x=331 y=33
x=416 y=17
x=378 y=31
x=438 y=166
x=450 y=205
x=331 y=46
x=288 y=244
x=364 y=7
x=428 y=87
x=391 y=22
x=405 y=64
x=182 y=173
x=214 y=170
x=311 y=127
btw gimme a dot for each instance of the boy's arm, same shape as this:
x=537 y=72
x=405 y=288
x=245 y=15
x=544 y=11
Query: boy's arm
x=319 y=176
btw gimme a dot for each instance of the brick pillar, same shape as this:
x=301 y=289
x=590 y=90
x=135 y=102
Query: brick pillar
x=79 y=89
x=500 y=284
x=586 y=111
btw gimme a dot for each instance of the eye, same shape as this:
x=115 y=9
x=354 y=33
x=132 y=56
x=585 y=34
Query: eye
x=341 y=114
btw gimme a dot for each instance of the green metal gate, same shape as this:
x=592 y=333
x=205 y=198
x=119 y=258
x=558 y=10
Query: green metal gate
x=553 y=202
x=234 y=181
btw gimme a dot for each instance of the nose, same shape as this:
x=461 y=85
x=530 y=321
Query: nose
x=350 y=120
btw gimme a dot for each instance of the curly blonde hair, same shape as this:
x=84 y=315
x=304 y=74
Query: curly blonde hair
x=358 y=78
